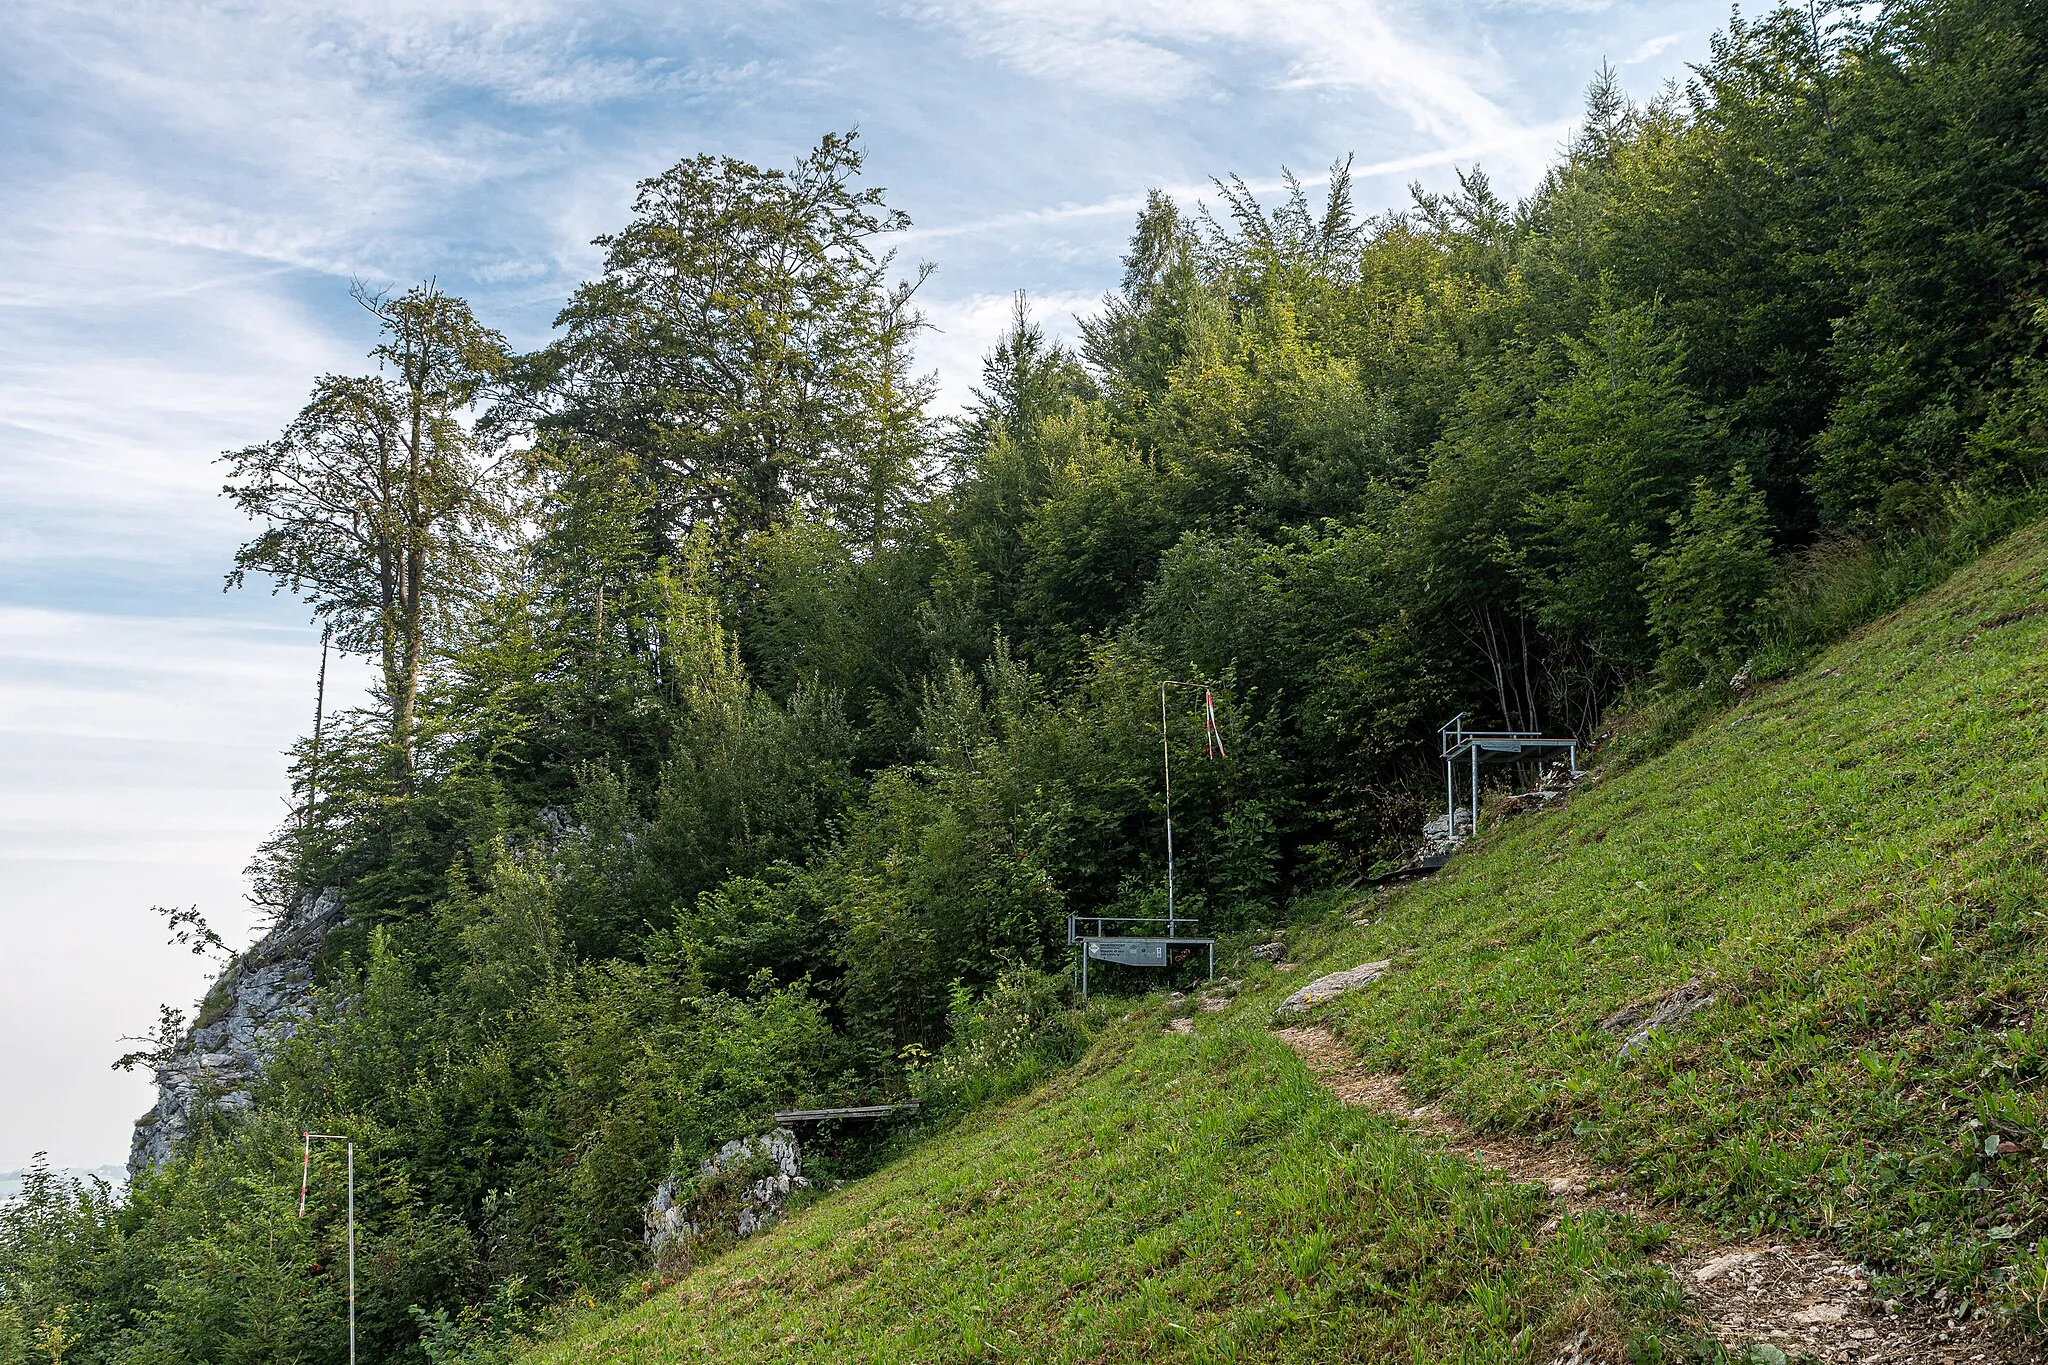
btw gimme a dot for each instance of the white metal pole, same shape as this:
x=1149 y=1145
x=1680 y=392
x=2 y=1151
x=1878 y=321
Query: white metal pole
x=1166 y=767
x=351 y=1253
x=306 y=1171
x=1475 y=791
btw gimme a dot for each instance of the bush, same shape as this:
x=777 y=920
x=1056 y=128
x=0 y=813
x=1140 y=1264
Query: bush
x=1707 y=589
x=1000 y=1045
x=1841 y=584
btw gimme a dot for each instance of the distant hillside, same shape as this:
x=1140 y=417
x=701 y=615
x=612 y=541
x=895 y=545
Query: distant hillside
x=11 y=1182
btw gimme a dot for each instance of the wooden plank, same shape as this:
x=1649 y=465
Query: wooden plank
x=859 y=1111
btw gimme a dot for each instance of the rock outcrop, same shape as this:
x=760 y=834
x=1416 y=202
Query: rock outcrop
x=1443 y=836
x=259 y=1001
x=738 y=1191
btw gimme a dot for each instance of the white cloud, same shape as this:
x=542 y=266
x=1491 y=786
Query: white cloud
x=1169 y=49
x=1653 y=47
x=965 y=329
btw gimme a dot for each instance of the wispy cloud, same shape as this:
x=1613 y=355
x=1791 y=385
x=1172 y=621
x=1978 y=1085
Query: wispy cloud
x=1159 y=50
x=1522 y=142
x=1654 y=47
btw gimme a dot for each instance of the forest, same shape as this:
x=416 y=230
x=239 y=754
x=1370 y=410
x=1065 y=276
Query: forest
x=744 y=733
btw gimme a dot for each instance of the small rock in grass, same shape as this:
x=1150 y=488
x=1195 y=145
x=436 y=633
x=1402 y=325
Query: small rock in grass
x=1330 y=987
x=1822 y=1312
x=1270 y=952
x=1642 y=1022
x=1722 y=1265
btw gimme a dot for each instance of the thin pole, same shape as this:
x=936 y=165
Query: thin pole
x=1166 y=766
x=305 y=1173
x=351 y=1253
x=1475 y=791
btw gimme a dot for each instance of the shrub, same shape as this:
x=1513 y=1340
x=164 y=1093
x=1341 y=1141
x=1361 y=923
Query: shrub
x=1001 y=1044
x=1707 y=589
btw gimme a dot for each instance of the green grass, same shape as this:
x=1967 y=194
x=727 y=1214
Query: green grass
x=1171 y=1198
x=1859 y=856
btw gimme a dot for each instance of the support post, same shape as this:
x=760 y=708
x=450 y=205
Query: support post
x=305 y=1177
x=1475 y=791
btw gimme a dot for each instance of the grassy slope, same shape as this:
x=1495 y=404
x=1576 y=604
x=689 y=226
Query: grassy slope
x=1857 y=855
x=1172 y=1198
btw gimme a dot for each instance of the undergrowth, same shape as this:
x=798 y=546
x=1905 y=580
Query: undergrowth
x=1826 y=592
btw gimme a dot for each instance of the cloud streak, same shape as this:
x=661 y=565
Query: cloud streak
x=1164 y=50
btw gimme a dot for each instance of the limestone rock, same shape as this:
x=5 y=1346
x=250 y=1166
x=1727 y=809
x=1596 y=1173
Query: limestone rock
x=739 y=1190
x=258 y=1002
x=1444 y=835
x=1335 y=984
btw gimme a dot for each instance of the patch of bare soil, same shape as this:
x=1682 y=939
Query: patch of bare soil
x=1798 y=1297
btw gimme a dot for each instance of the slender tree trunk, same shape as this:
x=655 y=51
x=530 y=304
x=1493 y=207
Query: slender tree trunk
x=415 y=572
x=1534 y=718
x=319 y=729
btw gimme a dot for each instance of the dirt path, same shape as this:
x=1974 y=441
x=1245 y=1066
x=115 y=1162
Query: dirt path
x=1799 y=1297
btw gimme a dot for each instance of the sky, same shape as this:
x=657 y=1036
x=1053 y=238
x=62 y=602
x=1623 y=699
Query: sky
x=190 y=188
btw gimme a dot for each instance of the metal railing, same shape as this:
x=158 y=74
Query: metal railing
x=1173 y=923
x=1453 y=735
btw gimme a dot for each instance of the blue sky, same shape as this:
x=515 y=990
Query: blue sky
x=192 y=186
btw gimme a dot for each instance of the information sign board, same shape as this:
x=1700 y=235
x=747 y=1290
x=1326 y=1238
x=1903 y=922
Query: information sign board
x=1134 y=952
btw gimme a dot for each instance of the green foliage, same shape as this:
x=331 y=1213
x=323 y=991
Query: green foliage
x=1709 y=588
x=480 y=1334
x=746 y=339
x=59 y=1239
x=997 y=1046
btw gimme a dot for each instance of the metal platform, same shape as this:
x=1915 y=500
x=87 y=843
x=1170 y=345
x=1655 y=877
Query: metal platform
x=1133 y=949
x=1481 y=748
